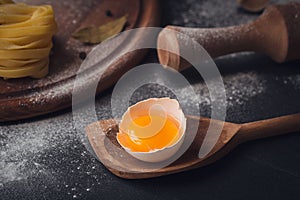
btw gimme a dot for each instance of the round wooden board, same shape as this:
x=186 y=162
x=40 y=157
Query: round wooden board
x=27 y=97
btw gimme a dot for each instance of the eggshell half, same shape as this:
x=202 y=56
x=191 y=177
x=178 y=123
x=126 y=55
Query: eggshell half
x=172 y=108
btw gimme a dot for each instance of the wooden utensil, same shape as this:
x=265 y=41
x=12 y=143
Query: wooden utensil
x=26 y=97
x=120 y=163
x=275 y=33
x=253 y=5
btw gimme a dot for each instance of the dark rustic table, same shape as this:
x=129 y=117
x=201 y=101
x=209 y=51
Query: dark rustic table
x=43 y=158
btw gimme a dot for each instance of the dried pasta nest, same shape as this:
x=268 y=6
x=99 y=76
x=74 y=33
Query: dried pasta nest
x=25 y=40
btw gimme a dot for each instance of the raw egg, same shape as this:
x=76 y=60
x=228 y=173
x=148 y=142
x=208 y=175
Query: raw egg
x=152 y=130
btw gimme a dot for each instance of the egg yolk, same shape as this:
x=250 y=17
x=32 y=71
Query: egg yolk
x=168 y=135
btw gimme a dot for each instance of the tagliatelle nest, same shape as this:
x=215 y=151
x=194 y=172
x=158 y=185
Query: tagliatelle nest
x=25 y=40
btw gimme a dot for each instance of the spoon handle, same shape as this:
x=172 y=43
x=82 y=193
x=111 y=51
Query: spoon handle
x=269 y=127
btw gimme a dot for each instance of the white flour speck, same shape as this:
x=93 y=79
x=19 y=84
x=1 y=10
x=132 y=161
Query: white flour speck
x=293 y=80
x=23 y=144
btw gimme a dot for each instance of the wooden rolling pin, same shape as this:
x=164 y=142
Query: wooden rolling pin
x=275 y=33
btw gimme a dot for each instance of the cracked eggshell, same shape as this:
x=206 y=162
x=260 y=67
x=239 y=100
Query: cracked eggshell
x=172 y=109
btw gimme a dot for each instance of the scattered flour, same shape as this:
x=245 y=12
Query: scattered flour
x=293 y=80
x=22 y=145
x=25 y=148
x=199 y=13
x=239 y=87
x=50 y=148
x=39 y=154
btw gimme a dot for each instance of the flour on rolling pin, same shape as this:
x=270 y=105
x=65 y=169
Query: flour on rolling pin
x=255 y=36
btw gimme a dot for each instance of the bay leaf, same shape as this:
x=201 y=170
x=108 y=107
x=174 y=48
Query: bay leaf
x=96 y=35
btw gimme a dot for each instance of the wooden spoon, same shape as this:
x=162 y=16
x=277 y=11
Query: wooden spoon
x=120 y=163
x=275 y=33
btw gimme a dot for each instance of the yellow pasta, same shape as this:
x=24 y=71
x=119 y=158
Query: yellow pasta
x=15 y=64
x=25 y=40
x=38 y=42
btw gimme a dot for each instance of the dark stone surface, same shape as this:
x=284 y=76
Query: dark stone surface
x=44 y=159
